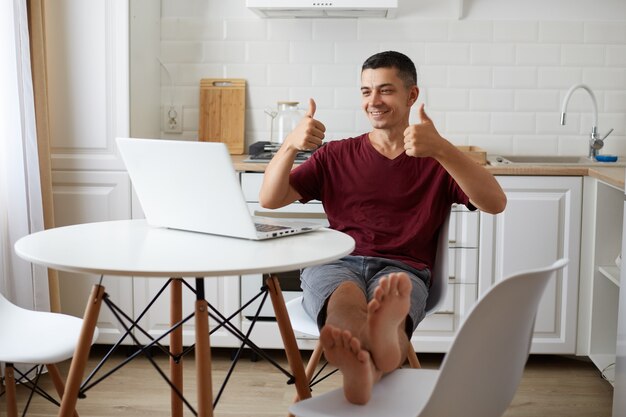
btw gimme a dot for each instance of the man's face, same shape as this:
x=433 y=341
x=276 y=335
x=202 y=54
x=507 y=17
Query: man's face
x=385 y=99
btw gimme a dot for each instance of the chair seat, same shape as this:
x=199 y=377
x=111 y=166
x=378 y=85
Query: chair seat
x=300 y=320
x=402 y=393
x=46 y=338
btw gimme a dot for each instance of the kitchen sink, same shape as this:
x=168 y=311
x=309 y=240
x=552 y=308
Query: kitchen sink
x=550 y=160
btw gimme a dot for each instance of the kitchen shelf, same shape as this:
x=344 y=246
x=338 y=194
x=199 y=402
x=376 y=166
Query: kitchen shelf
x=610 y=272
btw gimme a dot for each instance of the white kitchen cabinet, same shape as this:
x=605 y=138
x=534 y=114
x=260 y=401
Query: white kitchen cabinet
x=603 y=207
x=541 y=223
x=436 y=332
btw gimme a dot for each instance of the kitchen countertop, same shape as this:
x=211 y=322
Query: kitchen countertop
x=611 y=175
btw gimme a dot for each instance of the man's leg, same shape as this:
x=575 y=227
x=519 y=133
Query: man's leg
x=386 y=337
x=346 y=317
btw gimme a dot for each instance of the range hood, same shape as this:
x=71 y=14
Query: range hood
x=324 y=9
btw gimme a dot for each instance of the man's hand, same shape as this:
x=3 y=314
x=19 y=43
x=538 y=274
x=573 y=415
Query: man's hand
x=422 y=139
x=309 y=133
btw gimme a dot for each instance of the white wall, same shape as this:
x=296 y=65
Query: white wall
x=497 y=83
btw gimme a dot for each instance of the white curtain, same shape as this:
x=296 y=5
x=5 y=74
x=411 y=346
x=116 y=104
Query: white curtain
x=21 y=210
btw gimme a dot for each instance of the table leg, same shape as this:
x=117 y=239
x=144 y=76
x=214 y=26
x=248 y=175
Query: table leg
x=176 y=346
x=79 y=361
x=289 y=339
x=203 y=353
x=9 y=386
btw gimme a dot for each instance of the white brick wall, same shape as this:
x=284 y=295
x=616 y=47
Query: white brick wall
x=491 y=83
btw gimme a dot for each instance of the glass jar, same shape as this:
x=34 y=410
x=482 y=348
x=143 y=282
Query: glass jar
x=287 y=118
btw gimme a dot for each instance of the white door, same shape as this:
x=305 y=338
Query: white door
x=87 y=74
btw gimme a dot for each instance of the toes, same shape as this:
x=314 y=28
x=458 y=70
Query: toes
x=329 y=337
x=363 y=356
x=346 y=338
x=385 y=283
x=399 y=284
x=404 y=285
x=373 y=306
x=355 y=345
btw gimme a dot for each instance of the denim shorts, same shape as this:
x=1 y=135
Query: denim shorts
x=320 y=281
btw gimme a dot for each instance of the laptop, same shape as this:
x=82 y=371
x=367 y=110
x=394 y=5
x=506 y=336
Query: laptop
x=193 y=186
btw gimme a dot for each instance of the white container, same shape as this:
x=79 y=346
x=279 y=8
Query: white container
x=287 y=119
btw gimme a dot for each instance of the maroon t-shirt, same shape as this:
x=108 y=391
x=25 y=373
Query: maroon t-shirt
x=392 y=208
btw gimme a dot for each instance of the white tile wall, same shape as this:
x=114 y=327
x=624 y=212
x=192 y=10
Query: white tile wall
x=491 y=83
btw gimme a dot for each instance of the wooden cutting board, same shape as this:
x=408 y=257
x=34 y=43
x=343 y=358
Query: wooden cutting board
x=222 y=112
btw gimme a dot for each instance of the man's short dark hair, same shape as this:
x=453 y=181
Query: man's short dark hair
x=392 y=59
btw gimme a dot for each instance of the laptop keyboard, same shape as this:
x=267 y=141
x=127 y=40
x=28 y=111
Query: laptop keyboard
x=261 y=227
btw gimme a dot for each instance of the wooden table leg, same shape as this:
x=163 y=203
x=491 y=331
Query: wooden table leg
x=289 y=339
x=203 y=353
x=176 y=346
x=9 y=383
x=79 y=361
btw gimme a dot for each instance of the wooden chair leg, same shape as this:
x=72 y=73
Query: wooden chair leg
x=412 y=357
x=311 y=365
x=59 y=385
x=9 y=381
x=313 y=361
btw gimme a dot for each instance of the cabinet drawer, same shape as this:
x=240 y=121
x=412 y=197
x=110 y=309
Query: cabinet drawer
x=463 y=265
x=251 y=185
x=459 y=299
x=464 y=227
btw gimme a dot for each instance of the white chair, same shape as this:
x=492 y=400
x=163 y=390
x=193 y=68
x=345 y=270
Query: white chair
x=35 y=337
x=480 y=373
x=303 y=323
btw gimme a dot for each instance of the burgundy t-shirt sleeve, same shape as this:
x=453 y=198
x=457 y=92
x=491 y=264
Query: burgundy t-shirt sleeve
x=308 y=177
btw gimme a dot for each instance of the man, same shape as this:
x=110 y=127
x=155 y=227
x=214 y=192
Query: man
x=390 y=189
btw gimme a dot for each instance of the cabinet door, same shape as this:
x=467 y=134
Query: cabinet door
x=83 y=197
x=436 y=332
x=541 y=223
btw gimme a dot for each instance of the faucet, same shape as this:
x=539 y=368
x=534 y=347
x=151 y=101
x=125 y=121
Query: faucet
x=595 y=142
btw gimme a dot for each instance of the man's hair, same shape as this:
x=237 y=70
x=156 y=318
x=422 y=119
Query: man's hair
x=392 y=59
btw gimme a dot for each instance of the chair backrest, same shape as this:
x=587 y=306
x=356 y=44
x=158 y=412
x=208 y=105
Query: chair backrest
x=439 y=273
x=6 y=306
x=484 y=365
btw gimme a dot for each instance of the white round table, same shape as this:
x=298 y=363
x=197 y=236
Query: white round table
x=128 y=248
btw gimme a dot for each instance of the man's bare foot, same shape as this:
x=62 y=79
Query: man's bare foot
x=385 y=313
x=344 y=351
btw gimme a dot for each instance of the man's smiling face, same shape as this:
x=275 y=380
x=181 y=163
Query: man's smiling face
x=385 y=98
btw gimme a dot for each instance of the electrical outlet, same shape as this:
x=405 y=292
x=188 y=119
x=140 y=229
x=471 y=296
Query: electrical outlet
x=173 y=118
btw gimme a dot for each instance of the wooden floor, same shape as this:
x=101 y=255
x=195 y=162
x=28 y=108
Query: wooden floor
x=552 y=386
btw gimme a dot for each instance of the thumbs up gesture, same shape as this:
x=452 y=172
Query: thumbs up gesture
x=309 y=133
x=422 y=139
